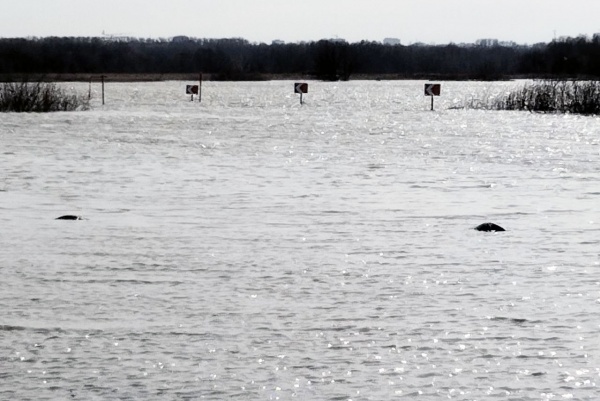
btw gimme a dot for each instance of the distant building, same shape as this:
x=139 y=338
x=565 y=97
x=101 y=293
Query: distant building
x=115 y=37
x=487 y=42
x=278 y=42
x=337 y=40
x=494 y=42
x=180 y=39
x=391 y=41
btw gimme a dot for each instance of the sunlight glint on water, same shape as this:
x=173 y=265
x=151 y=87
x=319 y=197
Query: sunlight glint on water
x=252 y=248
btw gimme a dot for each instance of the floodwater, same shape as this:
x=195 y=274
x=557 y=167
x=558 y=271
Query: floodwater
x=248 y=247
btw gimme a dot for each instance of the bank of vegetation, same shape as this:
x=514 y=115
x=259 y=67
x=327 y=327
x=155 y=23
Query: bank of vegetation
x=569 y=68
x=554 y=96
x=38 y=97
x=544 y=96
x=238 y=59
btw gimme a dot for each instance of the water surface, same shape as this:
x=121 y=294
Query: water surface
x=251 y=248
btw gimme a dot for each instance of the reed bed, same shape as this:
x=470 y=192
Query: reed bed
x=38 y=97
x=553 y=96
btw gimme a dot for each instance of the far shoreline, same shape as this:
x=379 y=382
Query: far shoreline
x=157 y=77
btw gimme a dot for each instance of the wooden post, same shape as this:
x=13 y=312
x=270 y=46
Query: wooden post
x=102 y=77
x=431 y=102
x=200 y=88
x=90 y=90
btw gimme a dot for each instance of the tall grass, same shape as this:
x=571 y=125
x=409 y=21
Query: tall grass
x=577 y=97
x=38 y=97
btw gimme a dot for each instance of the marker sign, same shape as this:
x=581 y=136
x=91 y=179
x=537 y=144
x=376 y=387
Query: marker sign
x=432 y=89
x=191 y=89
x=300 y=87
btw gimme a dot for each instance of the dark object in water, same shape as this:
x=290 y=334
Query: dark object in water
x=69 y=217
x=489 y=227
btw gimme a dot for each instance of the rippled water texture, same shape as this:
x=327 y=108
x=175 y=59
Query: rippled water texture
x=251 y=248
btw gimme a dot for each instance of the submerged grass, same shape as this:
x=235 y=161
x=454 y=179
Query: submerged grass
x=578 y=97
x=38 y=97
x=550 y=96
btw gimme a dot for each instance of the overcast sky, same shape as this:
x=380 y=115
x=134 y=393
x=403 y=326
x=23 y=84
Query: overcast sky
x=428 y=21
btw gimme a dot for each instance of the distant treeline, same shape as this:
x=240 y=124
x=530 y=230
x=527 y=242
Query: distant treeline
x=238 y=59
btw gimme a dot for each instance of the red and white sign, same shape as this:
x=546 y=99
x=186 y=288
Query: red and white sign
x=432 y=89
x=300 y=87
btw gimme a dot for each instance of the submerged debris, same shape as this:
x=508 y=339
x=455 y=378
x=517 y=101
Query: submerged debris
x=489 y=227
x=69 y=217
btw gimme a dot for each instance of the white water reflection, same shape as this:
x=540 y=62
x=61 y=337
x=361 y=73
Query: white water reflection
x=248 y=247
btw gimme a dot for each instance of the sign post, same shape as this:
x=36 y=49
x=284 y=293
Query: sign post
x=200 y=88
x=102 y=77
x=300 y=87
x=432 y=90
